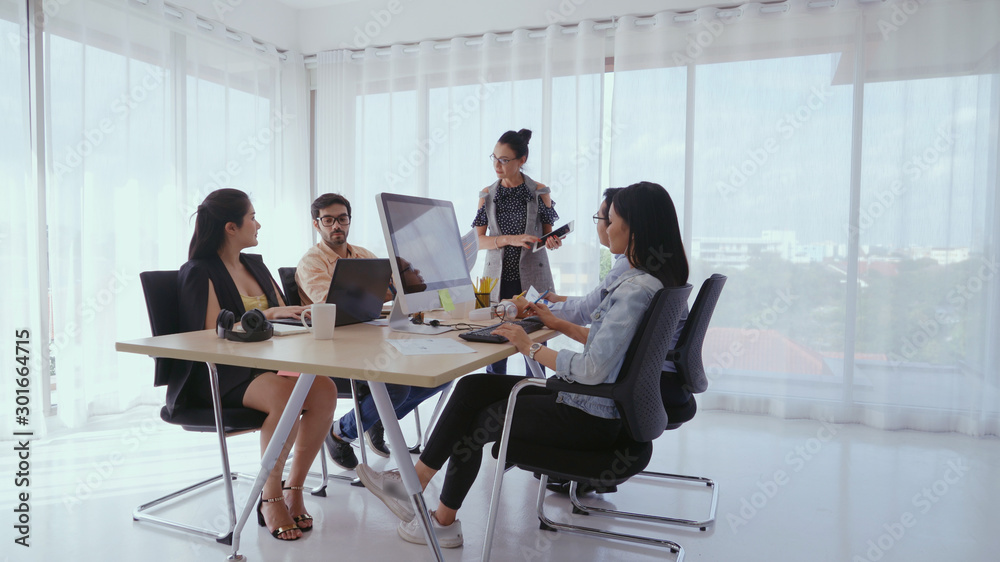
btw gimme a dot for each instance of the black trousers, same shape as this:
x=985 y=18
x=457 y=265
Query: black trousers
x=474 y=417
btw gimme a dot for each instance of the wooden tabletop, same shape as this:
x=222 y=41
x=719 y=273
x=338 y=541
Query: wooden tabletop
x=359 y=351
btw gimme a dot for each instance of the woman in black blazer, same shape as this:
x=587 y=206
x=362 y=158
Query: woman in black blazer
x=218 y=276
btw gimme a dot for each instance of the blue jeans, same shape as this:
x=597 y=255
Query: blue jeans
x=404 y=399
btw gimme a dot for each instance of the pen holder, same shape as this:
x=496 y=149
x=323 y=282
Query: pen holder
x=482 y=300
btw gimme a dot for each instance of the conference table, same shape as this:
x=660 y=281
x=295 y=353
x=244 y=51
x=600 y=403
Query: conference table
x=359 y=351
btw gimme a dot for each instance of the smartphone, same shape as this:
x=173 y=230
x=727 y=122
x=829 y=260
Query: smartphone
x=559 y=232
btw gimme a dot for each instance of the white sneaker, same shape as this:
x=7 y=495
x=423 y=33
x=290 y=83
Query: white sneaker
x=449 y=536
x=388 y=487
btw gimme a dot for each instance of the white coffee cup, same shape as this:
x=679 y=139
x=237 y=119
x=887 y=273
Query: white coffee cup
x=324 y=319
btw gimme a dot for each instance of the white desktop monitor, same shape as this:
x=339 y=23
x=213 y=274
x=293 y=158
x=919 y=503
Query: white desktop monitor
x=426 y=256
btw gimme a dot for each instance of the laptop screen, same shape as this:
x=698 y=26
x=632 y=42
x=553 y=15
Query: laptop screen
x=358 y=288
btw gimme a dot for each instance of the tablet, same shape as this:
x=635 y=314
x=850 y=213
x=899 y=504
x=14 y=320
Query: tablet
x=559 y=232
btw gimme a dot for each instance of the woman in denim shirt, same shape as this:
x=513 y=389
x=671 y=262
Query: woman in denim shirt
x=642 y=226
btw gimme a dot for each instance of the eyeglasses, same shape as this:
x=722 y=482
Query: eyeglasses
x=327 y=220
x=502 y=161
x=599 y=218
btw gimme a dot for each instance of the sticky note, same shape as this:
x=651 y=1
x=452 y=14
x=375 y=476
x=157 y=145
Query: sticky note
x=446 y=300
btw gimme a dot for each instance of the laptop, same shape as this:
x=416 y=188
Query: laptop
x=358 y=289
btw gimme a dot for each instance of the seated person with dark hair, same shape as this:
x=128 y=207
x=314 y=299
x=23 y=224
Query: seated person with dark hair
x=642 y=218
x=571 y=314
x=331 y=214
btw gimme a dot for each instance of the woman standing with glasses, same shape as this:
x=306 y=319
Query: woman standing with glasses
x=516 y=211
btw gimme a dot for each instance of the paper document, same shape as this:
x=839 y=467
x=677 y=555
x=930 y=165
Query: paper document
x=430 y=346
x=470 y=243
x=286 y=330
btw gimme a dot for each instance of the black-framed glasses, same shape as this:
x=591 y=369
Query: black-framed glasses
x=502 y=161
x=598 y=218
x=327 y=220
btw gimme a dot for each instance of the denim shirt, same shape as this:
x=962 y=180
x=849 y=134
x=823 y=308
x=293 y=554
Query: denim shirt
x=578 y=309
x=612 y=327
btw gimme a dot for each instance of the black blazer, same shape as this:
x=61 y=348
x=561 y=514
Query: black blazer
x=192 y=296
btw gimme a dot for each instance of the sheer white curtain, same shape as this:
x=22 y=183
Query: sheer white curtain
x=424 y=119
x=840 y=165
x=20 y=235
x=146 y=113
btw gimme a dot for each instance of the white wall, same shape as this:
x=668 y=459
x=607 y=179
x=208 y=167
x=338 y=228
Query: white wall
x=267 y=20
x=386 y=22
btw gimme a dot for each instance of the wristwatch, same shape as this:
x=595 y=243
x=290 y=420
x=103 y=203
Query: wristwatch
x=531 y=350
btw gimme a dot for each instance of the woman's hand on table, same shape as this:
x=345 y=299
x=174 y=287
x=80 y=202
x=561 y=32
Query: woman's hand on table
x=293 y=312
x=515 y=334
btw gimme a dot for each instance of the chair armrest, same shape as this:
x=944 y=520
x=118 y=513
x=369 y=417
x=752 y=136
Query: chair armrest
x=559 y=385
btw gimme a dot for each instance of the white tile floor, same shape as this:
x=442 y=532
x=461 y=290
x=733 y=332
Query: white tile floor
x=789 y=491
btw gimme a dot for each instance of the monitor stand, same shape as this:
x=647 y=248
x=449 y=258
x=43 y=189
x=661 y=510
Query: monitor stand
x=400 y=322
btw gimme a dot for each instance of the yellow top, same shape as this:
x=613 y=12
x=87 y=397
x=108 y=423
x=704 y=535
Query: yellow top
x=250 y=303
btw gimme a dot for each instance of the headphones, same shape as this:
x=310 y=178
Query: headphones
x=255 y=326
x=418 y=318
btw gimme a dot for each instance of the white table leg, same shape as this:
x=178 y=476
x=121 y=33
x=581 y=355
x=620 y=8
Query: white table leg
x=270 y=456
x=399 y=452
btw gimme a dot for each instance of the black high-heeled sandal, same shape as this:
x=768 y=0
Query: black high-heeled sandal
x=275 y=533
x=299 y=518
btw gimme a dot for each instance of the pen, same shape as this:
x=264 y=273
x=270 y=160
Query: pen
x=540 y=297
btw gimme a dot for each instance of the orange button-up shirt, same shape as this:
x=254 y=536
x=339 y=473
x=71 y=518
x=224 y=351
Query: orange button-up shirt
x=315 y=270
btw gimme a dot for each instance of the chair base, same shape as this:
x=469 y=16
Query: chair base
x=547 y=524
x=704 y=524
x=225 y=536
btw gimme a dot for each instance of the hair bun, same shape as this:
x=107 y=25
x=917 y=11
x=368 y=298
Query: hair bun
x=525 y=134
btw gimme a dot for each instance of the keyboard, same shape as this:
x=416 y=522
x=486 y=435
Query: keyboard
x=484 y=335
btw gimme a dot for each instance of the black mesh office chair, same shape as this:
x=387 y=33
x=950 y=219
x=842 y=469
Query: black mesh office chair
x=160 y=291
x=691 y=376
x=636 y=393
